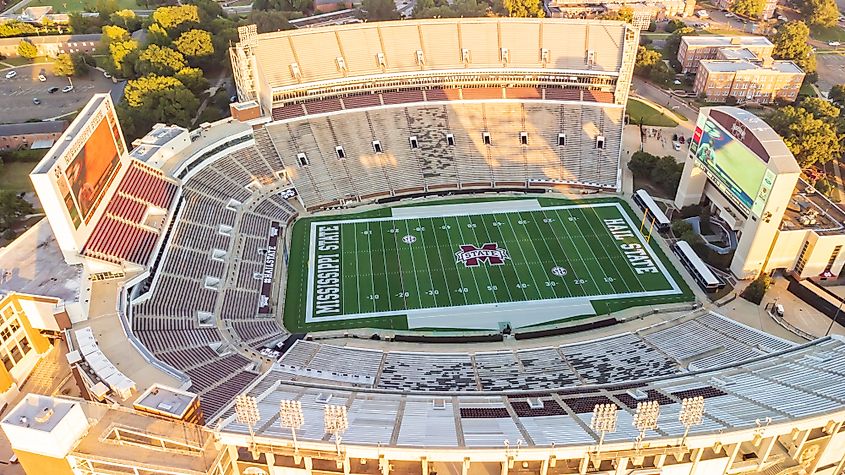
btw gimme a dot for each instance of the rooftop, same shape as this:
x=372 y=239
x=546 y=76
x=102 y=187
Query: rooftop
x=727 y=41
x=27 y=128
x=34 y=264
x=730 y=65
x=737 y=53
x=165 y=401
x=38 y=412
x=809 y=209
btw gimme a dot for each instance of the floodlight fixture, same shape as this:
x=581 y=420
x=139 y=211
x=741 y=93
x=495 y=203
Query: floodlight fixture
x=604 y=421
x=336 y=422
x=246 y=412
x=645 y=419
x=692 y=414
x=291 y=417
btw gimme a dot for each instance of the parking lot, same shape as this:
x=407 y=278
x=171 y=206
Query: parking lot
x=831 y=68
x=16 y=94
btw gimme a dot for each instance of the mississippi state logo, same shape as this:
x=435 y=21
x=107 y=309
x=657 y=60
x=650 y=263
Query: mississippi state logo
x=471 y=256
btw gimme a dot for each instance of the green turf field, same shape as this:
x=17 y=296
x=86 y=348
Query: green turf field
x=479 y=264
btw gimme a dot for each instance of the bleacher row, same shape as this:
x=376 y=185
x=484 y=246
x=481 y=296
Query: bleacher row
x=179 y=322
x=376 y=99
x=572 y=143
x=121 y=233
x=694 y=343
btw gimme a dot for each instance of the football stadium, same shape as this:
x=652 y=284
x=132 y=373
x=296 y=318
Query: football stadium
x=409 y=251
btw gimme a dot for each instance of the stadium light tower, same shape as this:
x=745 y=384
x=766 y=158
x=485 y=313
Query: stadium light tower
x=646 y=419
x=246 y=412
x=336 y=422
x=291 y=417
x=603 y=421
x=692 y=413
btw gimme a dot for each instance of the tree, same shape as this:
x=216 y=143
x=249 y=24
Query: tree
x=625 y=14
x=194 y=44
x=151 y=99
x=673 y=43
x=80 y=24
x=27 y=50
x=16 y=28
x=174 y=18
x=377 y=10
x=641 y=164
x=267 y=21
x=156 y=35
x=674 y=24
x=123 y=56
x=82 y=62
x=12 y=209
x=823 y=13
x=125 y=19
x=193 y=79
x=837 y=93
x=208 y=10
x=159 y=60
x=63 y=65
x=810 y=132
x=524 y=8
x=792 y=43
x=748 y=8
x=757 y=289
x=647 y=58
x=113 y=34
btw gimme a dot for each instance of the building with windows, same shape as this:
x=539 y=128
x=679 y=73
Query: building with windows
x=52 y=45
x=27 y=322
x=36 y=135
x=741 y=80
x=694 y=49
x=768 y=8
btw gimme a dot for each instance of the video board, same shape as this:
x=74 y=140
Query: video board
x=732 y=166
x=94 y=164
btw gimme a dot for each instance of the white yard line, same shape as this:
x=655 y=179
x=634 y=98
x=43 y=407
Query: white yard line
x=524 y=257
x=372 y=269
x=443 y=266
x=619 y=255
x=580 y=257
x=413 y=264
x=545 y=242
x=487 y=267
x=386 y=273
x=477 y=288
x=428 y=268
x=401 y=271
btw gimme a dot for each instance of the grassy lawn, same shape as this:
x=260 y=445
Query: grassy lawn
x=69 y=6
x=828 y=34
x=644 y=114
x=807 y=90
x=24 y=61
x=15 y=176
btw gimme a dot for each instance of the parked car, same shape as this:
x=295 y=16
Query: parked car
x=833 y=43
x=106 y=75
x=53 y=90
x=729 y=15
x=11 y=74
x=681 y=139
x=674 y=137
x=779 y=310
x=676 y=82
x=67 y=88
x=42 y=77
x=36 y=101
x=676 y=146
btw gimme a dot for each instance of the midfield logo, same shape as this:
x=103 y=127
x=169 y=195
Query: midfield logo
x=471 y=256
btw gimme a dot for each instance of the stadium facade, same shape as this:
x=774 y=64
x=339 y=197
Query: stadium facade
x=187 y=237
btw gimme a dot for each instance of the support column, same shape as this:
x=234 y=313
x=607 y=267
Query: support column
x=506 y=466
x=544 y=467
x=696 y=456
x=309 y=465
x=424 y=465
x=233 y=458
x=585 y=463
x=660 y=460
x=346 y=465
x=622 y=466
x=799 y=444
x=766 y=450
x=384 y=465
x=465 y=466
x=271 y=461
x=731 y=456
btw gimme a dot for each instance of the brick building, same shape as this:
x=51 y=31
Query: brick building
x=693 y=49
x=748 y=81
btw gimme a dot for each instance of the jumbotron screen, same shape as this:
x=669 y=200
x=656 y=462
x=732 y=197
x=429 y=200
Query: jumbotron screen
x=734 y=168
x=92 y=169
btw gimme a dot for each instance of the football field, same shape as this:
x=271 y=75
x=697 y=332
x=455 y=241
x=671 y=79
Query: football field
x=481 y=264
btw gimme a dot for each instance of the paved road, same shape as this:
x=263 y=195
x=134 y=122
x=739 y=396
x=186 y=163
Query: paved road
x=659 y=96
x=16 y=94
